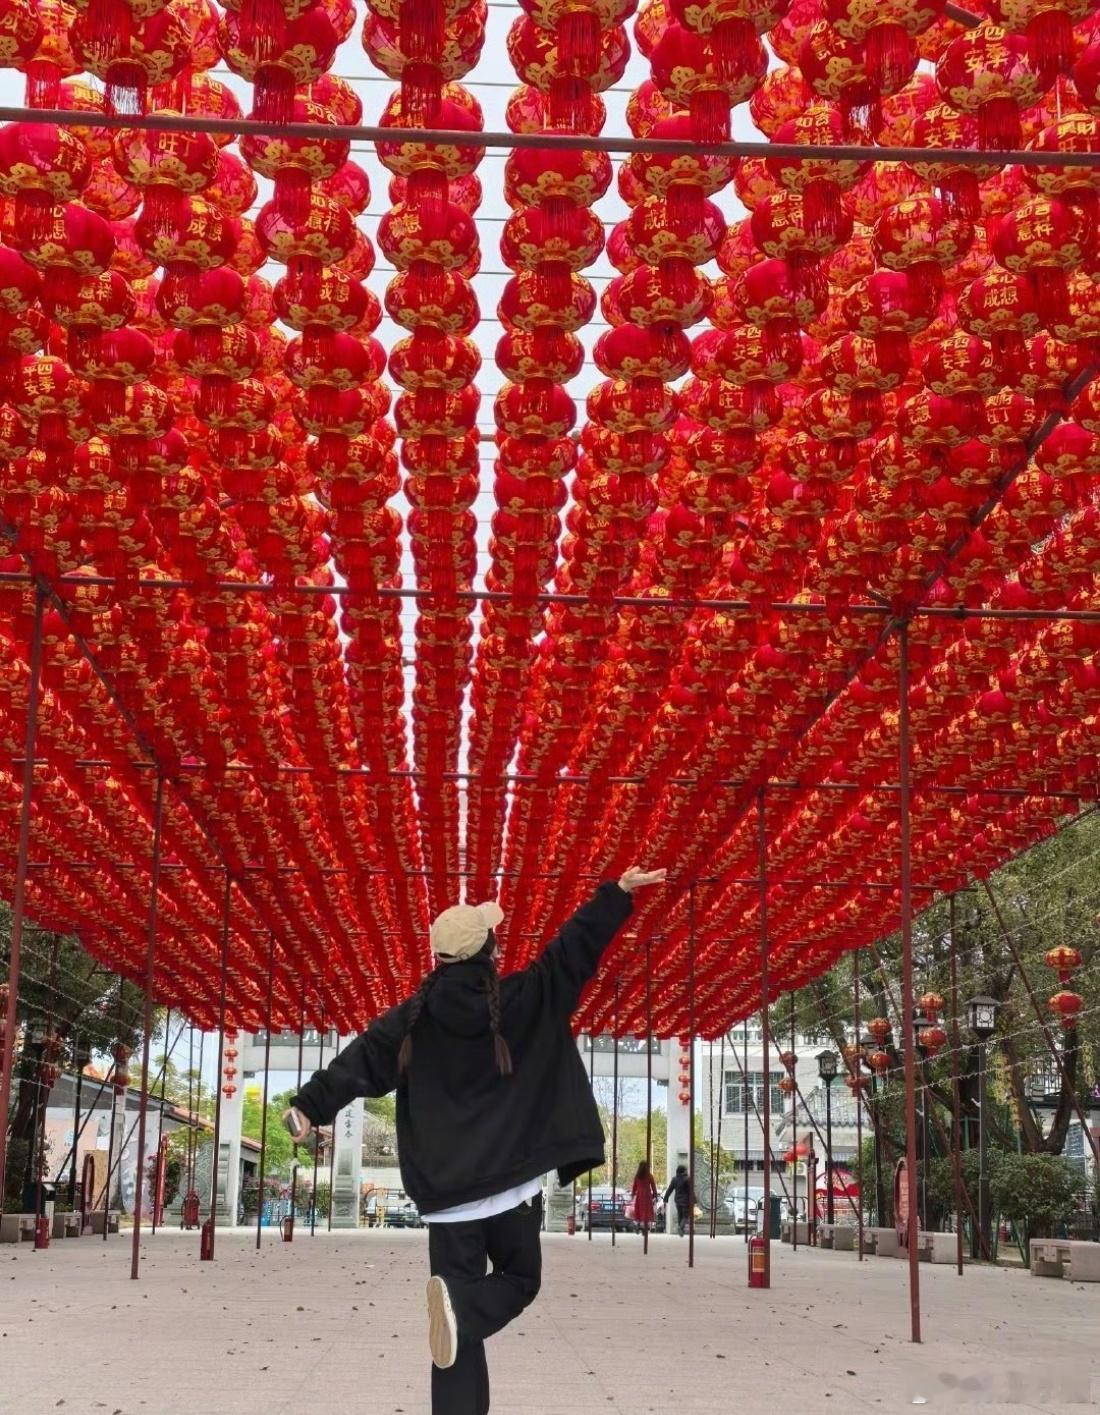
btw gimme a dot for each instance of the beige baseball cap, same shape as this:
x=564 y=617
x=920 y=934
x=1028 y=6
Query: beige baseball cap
x=460 y=931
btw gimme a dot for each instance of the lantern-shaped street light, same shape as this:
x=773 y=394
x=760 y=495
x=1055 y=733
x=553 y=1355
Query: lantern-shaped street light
x=981 y=1016
x=827 y=1064
x=870 y=1048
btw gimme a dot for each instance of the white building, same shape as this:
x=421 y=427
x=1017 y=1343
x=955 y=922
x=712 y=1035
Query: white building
x=732 y=1109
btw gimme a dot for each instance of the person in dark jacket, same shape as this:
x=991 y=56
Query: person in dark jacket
x=491 y=1095
x=684 y=1198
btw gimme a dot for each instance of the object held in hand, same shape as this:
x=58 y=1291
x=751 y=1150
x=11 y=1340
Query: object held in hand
x=299 y=1129
x=637 y=878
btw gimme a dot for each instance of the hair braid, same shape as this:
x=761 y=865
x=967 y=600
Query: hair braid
x=501 y=1049
x=412 y=1017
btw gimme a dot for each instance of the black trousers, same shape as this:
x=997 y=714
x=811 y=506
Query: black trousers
x=483 y=1302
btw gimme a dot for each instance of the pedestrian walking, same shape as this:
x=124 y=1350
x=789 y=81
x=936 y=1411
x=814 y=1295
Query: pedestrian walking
x=643 y=1197
x=680 y=1188
x=492 y=1094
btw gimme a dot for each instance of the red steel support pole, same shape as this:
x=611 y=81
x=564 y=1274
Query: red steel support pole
x=956 y=1125
x=691 y=1074
x=317 y=1139
x=591 y=1080
x=147 y=1024
x=267 y=1081
x=857 y=1072
x=908 y=1038
x=766 y=1029
x=160 y=1121
x=615 y=1120
x=18 y=902
x=332 y=1155
x=648 y=1076
x=794 y=1151
x=215 y=1165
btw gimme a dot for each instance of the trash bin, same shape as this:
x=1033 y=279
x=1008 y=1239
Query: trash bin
x=774 y=1204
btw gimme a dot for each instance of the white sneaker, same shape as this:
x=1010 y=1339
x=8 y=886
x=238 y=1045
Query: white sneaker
x=442 y=1327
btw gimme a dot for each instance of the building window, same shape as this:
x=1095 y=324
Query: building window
x=735 y=1091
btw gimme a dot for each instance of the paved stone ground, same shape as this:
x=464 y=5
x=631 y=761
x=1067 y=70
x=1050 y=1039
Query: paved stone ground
x=335 y=1324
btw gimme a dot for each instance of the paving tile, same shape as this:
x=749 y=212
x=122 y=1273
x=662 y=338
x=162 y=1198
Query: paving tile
x=336 y=1323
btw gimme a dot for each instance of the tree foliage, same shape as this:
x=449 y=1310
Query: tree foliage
x=1035 y=1191
x=1047 y=896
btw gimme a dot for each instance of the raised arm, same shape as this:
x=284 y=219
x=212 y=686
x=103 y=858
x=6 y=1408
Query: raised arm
x=367 y=1067
x=571 y=959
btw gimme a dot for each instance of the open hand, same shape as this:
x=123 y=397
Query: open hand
x=297 y=1124
x=637 y=878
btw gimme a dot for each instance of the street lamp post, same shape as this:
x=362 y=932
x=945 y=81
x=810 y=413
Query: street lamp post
x=981 y=1014
x=873 y=1055
x=827 y=1063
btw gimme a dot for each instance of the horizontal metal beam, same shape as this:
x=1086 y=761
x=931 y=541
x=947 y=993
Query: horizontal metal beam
x=722 y=605
x=548 y=142
x=489 y=781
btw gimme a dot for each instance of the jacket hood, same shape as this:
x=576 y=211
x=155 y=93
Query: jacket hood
x=457 y=1001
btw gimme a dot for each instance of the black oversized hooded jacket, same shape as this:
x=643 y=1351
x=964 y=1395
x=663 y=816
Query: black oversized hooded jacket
x=465 y=1132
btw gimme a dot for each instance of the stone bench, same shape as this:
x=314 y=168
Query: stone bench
x=97 y=1221
x=942 y=1248
x=883 y=1242
x=17 y=1228
x=65 y=1226
x=1065 y=1257
x=839 y=1236
x=802 y=1232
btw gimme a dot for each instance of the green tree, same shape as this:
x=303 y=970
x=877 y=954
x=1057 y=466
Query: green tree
x=280 y=1148
x=64 y=991
x=1036 y=1192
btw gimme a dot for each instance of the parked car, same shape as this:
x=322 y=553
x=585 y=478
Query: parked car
x=403 y=1213
x=605 y=1206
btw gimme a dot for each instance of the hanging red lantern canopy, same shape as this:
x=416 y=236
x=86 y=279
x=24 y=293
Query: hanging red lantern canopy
x=1000 y=307
x=784 y=94
x=1067 y=1005
x=166 y=168
x=707 y=77
x=427 y=56
x=684 y=178
x=1043 y=239
x=131 y=52
x=1064 y=959
x=112 y=360
x=958 y=186
x=842 y=70
x=781 y=228
x=1047 y=26
x=822 y=181
x=989 y=74
x=579 y=54
x=427 y=168
x=528 y=111
x=918 y=236
x=234 y=189
x=550 y=354
x=887 y=32
x=289 y=50
x=77 y=244
x=455 y=310
x=297 y=164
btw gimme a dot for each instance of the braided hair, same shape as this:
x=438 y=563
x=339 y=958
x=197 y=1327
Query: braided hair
x=412 y=1017
x=502 y=1053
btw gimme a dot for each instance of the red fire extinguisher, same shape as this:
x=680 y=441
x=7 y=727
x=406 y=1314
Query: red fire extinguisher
x=287 y=1227
x=758 y=1262
x=206 y=1241
x=570 y=1224
x=189 y=1214
x=41 y=1231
